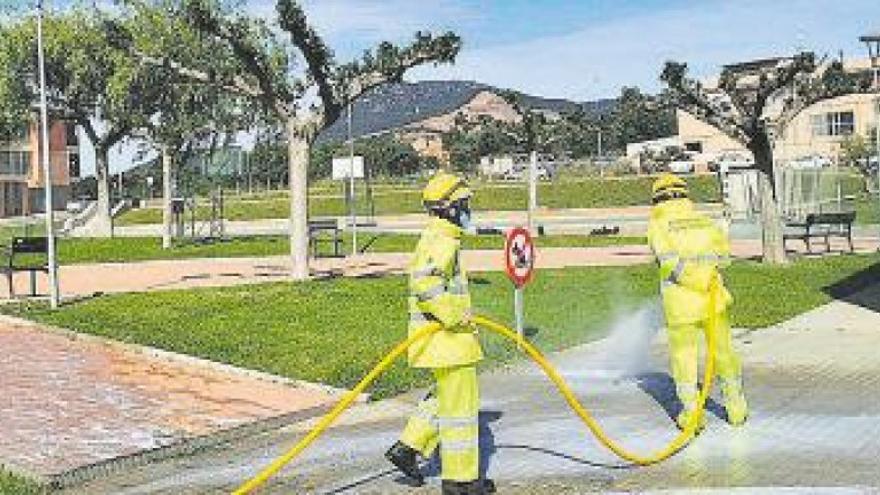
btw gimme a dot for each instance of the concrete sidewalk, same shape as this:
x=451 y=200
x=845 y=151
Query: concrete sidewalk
x=814 y=428
x=104 y=278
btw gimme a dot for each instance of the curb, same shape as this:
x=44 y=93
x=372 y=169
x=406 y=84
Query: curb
x=178 y=448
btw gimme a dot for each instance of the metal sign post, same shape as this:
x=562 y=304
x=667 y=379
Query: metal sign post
x=519 y=261
x=353 y=213
x=347 y=170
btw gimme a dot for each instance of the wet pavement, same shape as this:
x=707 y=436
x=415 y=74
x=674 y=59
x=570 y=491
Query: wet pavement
x=813 y=385
x=66 y=404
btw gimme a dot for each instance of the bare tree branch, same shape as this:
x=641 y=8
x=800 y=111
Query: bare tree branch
x=387 y=64
x=318 y=56
x=831 y=82
x=713 y=109
x=254 y=59
x=236 y=84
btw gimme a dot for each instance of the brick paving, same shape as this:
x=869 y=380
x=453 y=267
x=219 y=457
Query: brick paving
x=66 y=403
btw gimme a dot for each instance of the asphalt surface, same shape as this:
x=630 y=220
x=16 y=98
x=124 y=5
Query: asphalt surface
x=812 y=383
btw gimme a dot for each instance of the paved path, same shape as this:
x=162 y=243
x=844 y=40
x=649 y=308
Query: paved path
x=815 y=424
x=89 y=279
x=67 y=402
x=631 y=221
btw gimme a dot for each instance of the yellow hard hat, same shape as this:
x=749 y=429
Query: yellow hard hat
x=668 y=186
x=443 y=189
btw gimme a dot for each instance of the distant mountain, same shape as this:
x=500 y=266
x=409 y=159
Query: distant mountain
x=396 y=105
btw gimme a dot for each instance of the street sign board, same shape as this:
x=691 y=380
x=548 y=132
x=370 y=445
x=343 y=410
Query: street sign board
x=519 y=256
x=342 y=168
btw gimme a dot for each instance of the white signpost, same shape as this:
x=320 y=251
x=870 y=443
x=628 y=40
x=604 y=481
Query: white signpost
x=351 y=168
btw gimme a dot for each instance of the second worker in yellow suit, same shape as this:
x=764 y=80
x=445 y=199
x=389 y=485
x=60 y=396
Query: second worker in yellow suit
x=690 y=248
x=438 y=288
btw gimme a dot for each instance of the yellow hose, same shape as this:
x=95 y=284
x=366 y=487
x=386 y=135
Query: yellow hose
x=664 y=453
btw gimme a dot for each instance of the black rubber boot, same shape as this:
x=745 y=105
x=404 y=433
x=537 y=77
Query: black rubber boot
x=478 y=487
x=406 y=459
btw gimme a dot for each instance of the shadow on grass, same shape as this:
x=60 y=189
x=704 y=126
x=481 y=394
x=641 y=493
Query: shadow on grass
x=861 y=288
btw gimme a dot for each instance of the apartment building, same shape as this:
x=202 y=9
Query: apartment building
x=818 y=130
x=21 y=173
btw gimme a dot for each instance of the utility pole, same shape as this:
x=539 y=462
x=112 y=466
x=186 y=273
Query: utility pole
x=872 y=41
x=533 y=190
x=353 y=207
x=599 y=152
x=47 y=171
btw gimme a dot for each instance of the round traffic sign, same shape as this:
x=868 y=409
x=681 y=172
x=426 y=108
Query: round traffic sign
x=519 y=256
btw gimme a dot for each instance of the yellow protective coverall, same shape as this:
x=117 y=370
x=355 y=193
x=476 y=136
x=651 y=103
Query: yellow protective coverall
x=690 y=248
x=449 y=416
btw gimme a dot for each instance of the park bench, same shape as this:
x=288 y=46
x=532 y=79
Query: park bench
x=822 y=226
x=323 y=226
x=26 y=246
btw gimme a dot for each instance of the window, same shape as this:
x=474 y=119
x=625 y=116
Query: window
x=19 y=135
x=833 y=124
x=73 y=166
x=696 y=147
x=72 y=137
x=14 y=162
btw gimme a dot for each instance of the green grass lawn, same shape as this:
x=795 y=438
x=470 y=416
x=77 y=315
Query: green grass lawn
x=582 y=193
x=333 y=331
x=123 y=249
x=11 y=484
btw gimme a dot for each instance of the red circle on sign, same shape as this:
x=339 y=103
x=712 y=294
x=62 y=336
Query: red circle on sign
x=519 y=256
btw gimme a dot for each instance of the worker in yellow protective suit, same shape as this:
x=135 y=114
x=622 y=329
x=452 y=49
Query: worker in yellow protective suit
x=690 y=248
x=438 y=292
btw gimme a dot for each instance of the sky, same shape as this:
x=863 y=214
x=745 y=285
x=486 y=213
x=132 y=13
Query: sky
x=589 y=49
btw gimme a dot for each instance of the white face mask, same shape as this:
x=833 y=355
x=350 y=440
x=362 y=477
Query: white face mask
x=464 y=220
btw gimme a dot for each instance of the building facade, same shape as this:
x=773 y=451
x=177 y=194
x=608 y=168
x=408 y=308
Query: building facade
x=22 y=179
x=819 y=130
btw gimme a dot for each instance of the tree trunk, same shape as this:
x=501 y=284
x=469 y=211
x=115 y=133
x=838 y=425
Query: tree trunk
x=167 y=181
x=298 y=163
x=102 y=223
x=773 y=251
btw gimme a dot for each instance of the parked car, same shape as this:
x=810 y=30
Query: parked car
x=810 y=161
x=681 y=166
x=543 y=173
x=869 y=164
x=730 y=159
x=74 y=207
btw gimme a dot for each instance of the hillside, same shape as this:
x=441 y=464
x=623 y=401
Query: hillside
x=396 y=105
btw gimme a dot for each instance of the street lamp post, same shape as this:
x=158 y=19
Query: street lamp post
x=47 y=172
x=872 y=41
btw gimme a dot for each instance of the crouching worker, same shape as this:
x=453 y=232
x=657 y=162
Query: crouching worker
x=690 y=248
x=438 y=292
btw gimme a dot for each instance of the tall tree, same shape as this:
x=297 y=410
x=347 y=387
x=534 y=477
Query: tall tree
x=753 y=103
x=88 y=83
x=188 y=115
x=637 y=117
x=305 y=97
